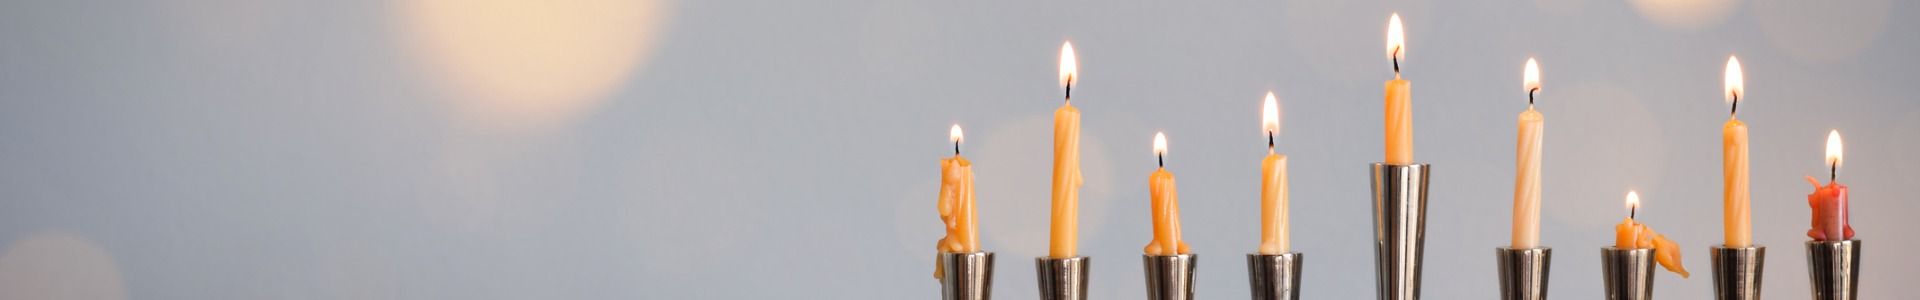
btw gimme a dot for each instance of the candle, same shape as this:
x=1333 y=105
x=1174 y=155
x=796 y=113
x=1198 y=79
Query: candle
x=1830 y=202
x=1738 y=209
x=1165 y=206
x=1526 y=182
x=1631 y=234
x=1273 y=185
x=956 y=204
x=1399 y=112
x=1066 y=165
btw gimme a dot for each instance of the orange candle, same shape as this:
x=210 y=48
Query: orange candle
x=1830 y=202
x=1273 y=185
x=1631 y=234
x=1165 y=206
x=1526 y=183
x=1399 y=109
x=1066 y=165
x=956 y=205
x=1738 y=212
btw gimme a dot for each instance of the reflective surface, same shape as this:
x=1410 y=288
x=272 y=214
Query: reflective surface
x=1399 y=229
x=1833 y=268
x=1627 y=273
x=1063 y=278
x=1736 y=272
x=1523 y=272
x=1170 y=277
x=969 y=276
x=1275 y=277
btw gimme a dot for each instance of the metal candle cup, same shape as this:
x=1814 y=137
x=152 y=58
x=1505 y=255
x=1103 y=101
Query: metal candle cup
x=1063 y=278
x=1170 y=277
x=1736 y=272
x=1399 y=229
x=1276 y=276
x=1834 y=269
x=1628 y=273
x=969 y=276
x=1523 y=272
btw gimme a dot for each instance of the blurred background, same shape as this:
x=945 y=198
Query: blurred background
x=653 y=149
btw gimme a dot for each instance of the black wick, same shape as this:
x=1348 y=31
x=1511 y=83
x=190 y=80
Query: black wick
x=1633 y=212
x=956 y=148
x=1069 y=87
x=1163 y=160
x=1736 y=103
x=1269 y=141
x=1833 y=171
x=1396 y=60
x=1530 y=95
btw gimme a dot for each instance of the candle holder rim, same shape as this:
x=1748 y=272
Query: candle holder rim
x=1511 y=248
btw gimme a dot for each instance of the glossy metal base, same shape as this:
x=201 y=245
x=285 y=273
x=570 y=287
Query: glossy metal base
x=1834 y=269
x=1628 y=273
x=969 y=276
x=1063 y=278
x=1399 y=229
x=1523 y=272
x=1275 y=277
x=1170 y=277
x=1736 y=272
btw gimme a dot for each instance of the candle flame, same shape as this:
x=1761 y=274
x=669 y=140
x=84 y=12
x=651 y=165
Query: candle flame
x=1736 y=82
x=1160 y=143
x=1069 y=66
x=955 y=134
x=1531 y=80
x=1833 y=150
x=1396 y=44
x=1270 y=116
x=1633 y=202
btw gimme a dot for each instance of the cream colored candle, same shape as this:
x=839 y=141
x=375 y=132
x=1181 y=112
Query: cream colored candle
x=1066 y=165
x=1165 y=207
x=1526 y=182
x=1273 y=185
x=1738 y=212
x=956 y=205
x=1399 y=109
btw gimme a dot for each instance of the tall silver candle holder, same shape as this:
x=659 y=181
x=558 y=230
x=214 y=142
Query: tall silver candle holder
x=1523 y=272
x=969 y=276
x=1736 y=271
x=1399 y=229
x=1834 y=269
x=1063 y=278
x=1169 y=277
x=1274 y=276
x=1627 y=273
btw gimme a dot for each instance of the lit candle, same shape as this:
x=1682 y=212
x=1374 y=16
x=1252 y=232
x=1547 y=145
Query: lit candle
x=1830 y=202
x=1631 y=234
x=1166 y=206
x=1738 y=209
x=1399 y=110
x=1066 y=164
x=1526 y=183
x=1273 y=185
x=956 y=204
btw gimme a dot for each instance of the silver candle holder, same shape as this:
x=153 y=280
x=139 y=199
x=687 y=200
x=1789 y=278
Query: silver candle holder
x=1274 y=276
x=1627 y=273
x=1399 y=229
x=969 y=276
x=1523 y=272
x=1169 y=277
x=1834 y=269
x=1737 y=271
x=1063 y=278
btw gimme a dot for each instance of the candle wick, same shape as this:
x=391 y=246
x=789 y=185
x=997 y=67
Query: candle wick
x=1530 y=96
x=1736 y=104
x=1396 y=62
x=1269 y=142
x=956 y=148
x=1069 y=87
x=1163 y=160
x=1833 y=172
x=1633 y=213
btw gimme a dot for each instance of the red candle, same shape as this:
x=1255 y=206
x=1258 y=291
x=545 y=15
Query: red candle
x=1830 y=202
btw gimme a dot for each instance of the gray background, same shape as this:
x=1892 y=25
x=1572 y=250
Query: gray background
x=429 y=149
